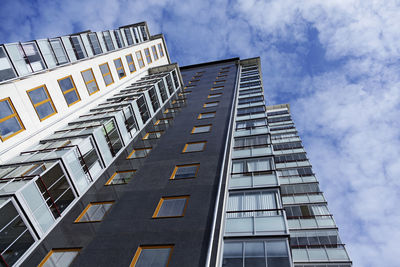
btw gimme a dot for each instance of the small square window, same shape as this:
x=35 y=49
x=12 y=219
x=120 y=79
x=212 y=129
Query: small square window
x=194 y=147
x=178 y=100
x=94 y=212
x=171 y=207
x=59 y=257
x=201 y=129
x=206 y=115
x=121 y=177
x=185 y=171
x=153 y=135
x=154 y=256
x=139 y=153
x=210 y=104
x=221 y=76
x=163 y=121
x=219 y=81
x=214 y=95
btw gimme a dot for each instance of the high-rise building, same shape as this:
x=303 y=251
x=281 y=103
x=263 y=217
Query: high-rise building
x=111 y=155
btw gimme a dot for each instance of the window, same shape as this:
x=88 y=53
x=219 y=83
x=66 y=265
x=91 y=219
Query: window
x=59 y=257
x=160 y=49
x=251 y=165
x=105 y=71
x=210 y=104
x=206 y=115
x=171 y=110
x=219 y=81
x=10 y=123
x=185 y=171
x=155 y=256
x=163 y=121
x=94 y=212
x=120 y=68
x=139 y=153
x=194 y=147
x=201 y=129
x=250 y=110
x=69 y=91
x=121 y=177
x=171 y=207
x=214 y=95
x=272 y=253
x=90 y=81
x=178 y=100
x=131 y=63
x=154 y=50
x=42 y=102
x=250 y=124
x=148 y=56
x=258 y=140
x=139 y=58
x=215 y=88
x=153 y=135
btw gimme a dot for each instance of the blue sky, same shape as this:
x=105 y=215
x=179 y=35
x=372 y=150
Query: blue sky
x=335 y=62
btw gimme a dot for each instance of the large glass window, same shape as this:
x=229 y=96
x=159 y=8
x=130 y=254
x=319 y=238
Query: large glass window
x=108 y=41
x=139 y=58
x=42 y=102
x=171 y=207
x=59 y=51
x=154 y=50
x=59 y=257
x=120 y=68
x=118 y=38
x=258 y=140
x=95 y=212
x=185 y=171
x=105 y=71
x=131 y=63
x=251 y=165
x=250 y=124
x=10 y=123
x=270 y=253
x=154 y=256
x=148 y=56
x=69 y=91
x=6 y=69
x=79 y=49
x=90 y=81
x=94 y=42
x=144 y=111
x=128 y=36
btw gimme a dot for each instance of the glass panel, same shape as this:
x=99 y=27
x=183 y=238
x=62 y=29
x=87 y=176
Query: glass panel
x=47 y=53
x=6 y=69
x=277 y=254
x=108 y=41
x=233 y=255
x=154 y=257
x=60 y=258
x=38 y=95
x=13 y=229
x=122 y=177
x=58 y=51
x=95 y=43
x=254 y=254
x=78 y=46
x=186 y=172
x=44 y=110
x=17 y=57
x=193 y=147
x=33 y=56
x=172 y=207
x=10 y=126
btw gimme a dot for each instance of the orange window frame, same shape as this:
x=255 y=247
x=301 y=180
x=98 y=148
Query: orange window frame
x=15 y=114
x=120 y=68
x=115 y=174
x=69 y=90
x=140 y=248
x=87 y=82
x=159 y=205
x=131 y=63
x=87 y=208
x=42 y=102
x=200 y=126
x=185 y=165
x=154 y=50
x=106 y=74
x=139 y=58
x=190 y=143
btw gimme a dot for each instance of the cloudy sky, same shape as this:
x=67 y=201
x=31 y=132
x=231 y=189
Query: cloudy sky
x=336 y=62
